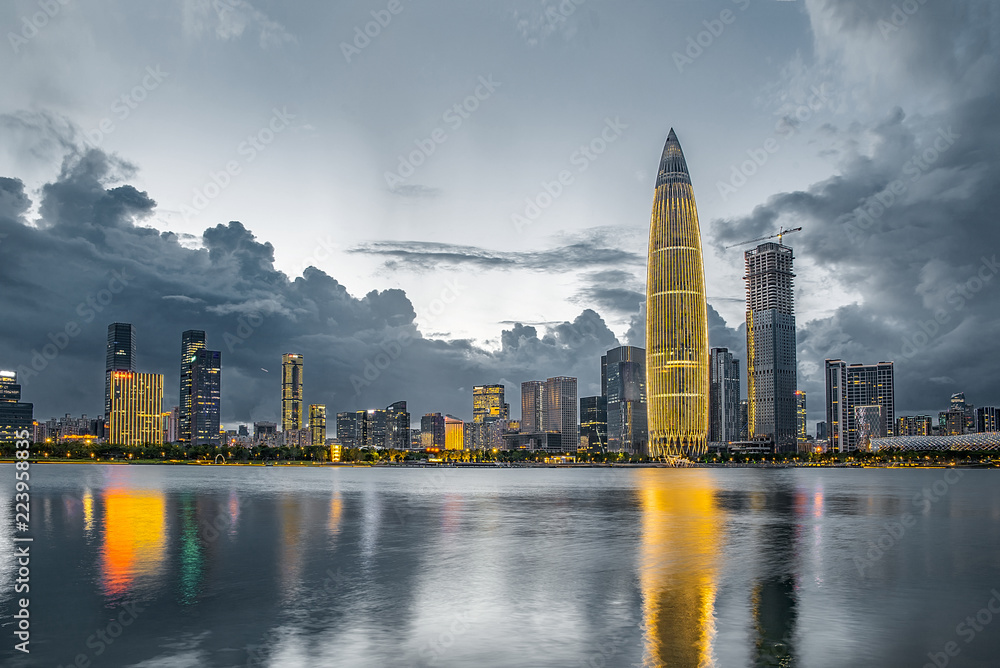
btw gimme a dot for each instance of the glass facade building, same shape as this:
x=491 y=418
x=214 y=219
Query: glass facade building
x=15 y=415
x=317 y=424
x=206 y=397
x=724 y=396
x=291 y=391
x=594 y=423
x=849 y=386
x=624 y=378
x=120 y=356
x=676 y=315
x=192 y=341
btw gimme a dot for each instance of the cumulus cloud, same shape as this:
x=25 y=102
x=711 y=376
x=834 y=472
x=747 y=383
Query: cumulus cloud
x=360 y=351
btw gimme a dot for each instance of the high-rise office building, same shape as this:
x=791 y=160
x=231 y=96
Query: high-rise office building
x=624 y=372
x=987 y=419
x=120 y=356
x=206 y=397
x=136 y=409
x=676 y=315
x=192 y=341
x=347 y=429
x=172 y=425
x=914 y=425
x=317 y=424
x=561 y=411
x=821 y=431
x=594 y=422
x=868 y=425
x=15 y=416
x=723 y=396
x=490 y=416
x=800 y=419
x=744 y=420
x=432 y=433
x=397 y=420
x=454 y=433
x=291 y=391
x=849 y=386
x=532 y=406
x=771 y=356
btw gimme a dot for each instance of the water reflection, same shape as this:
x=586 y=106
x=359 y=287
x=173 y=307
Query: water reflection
x=681 y=540
x=134 y=539
x=190 y=551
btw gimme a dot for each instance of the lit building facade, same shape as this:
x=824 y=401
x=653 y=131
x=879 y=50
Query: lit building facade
x=676 y=315
x=623 y=372
x=914 y=425
x=15 y=416
x=120 y=356
x=454 y=433
x=849 y=386
x=594 y=423
x=868 y=423
x=317 y=424
x=397 y=420
x=432 y=434
x=490 y=416
x=771 y=356
x=206 y=397
x=801 y=414
x=192 y=341
x=987 y=419
x=291 y=391
x=136 y=408
x=724 y=396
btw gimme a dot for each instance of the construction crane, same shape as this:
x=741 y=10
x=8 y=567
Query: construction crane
x=781 y=232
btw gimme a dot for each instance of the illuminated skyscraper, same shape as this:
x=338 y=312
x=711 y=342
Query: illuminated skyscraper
x=291 y=391
x=206 y=397
x=676 y=315
x=136 y=408
x=397 y=426
x=490 y=416
x=771 y=366
x=454 y=433
x=120 y=357
x=317 y=424
x=347 y=429
x=432 y=431
x=192 y=341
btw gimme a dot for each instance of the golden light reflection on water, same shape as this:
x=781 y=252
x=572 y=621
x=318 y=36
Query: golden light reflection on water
x=681 y=528
x=291 y=511
x=88 y=513
x=134 y=538
x=336 y=510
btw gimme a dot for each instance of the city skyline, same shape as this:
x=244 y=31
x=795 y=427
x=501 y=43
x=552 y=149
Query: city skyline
x=816 y=147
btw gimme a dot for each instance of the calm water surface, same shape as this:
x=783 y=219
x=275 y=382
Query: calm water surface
x=236 y=566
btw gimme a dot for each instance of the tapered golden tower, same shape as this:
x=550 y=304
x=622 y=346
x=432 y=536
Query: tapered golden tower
x=676 y=315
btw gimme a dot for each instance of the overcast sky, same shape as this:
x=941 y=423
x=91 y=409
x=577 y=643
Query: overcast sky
x=213 y=151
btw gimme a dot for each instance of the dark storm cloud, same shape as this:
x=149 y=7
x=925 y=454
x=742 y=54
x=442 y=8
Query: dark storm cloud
x=909 y=221
x=421 y=255
x=360 y=352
